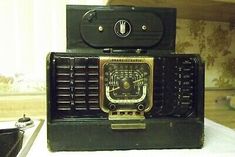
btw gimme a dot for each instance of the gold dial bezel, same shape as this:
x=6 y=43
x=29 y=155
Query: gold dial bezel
x=140 y=59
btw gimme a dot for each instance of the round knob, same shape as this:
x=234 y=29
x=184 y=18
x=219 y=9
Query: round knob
x=112 y=107
x=140 y=107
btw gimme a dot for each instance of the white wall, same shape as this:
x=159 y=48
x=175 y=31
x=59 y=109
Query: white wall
x=29 y=29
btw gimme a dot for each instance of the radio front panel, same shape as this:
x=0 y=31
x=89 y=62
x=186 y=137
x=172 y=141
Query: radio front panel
x=164 y=86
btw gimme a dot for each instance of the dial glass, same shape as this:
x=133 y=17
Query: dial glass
x=126 y=83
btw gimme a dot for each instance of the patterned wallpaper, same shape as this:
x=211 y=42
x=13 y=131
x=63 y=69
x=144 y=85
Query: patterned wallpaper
x=215 y=42
x=21 y=83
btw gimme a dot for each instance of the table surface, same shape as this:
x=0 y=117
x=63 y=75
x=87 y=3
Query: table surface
x=219 y=141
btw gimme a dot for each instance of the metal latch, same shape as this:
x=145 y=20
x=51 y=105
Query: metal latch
x=127 y=120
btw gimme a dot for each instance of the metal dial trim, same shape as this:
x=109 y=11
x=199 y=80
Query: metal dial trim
x=126 y=101
x=135 y=59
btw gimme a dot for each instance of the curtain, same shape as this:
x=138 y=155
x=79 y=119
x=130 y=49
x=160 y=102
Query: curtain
x=29 y=29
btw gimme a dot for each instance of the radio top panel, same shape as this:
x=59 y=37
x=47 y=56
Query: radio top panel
x=121 y=27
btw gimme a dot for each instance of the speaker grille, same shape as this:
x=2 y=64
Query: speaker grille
x=77 y=86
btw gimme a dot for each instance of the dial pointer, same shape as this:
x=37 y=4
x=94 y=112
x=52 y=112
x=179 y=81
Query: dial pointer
x=138 y=80
x=114 y=89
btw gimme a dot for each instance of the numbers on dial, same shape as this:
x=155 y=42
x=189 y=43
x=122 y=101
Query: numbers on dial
x=126 y=82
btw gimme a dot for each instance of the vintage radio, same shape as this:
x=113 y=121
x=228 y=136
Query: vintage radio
x=124 y=88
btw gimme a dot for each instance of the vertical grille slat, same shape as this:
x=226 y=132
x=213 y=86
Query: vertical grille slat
x=174 y=97
x=62 y=82
x=93 y=85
